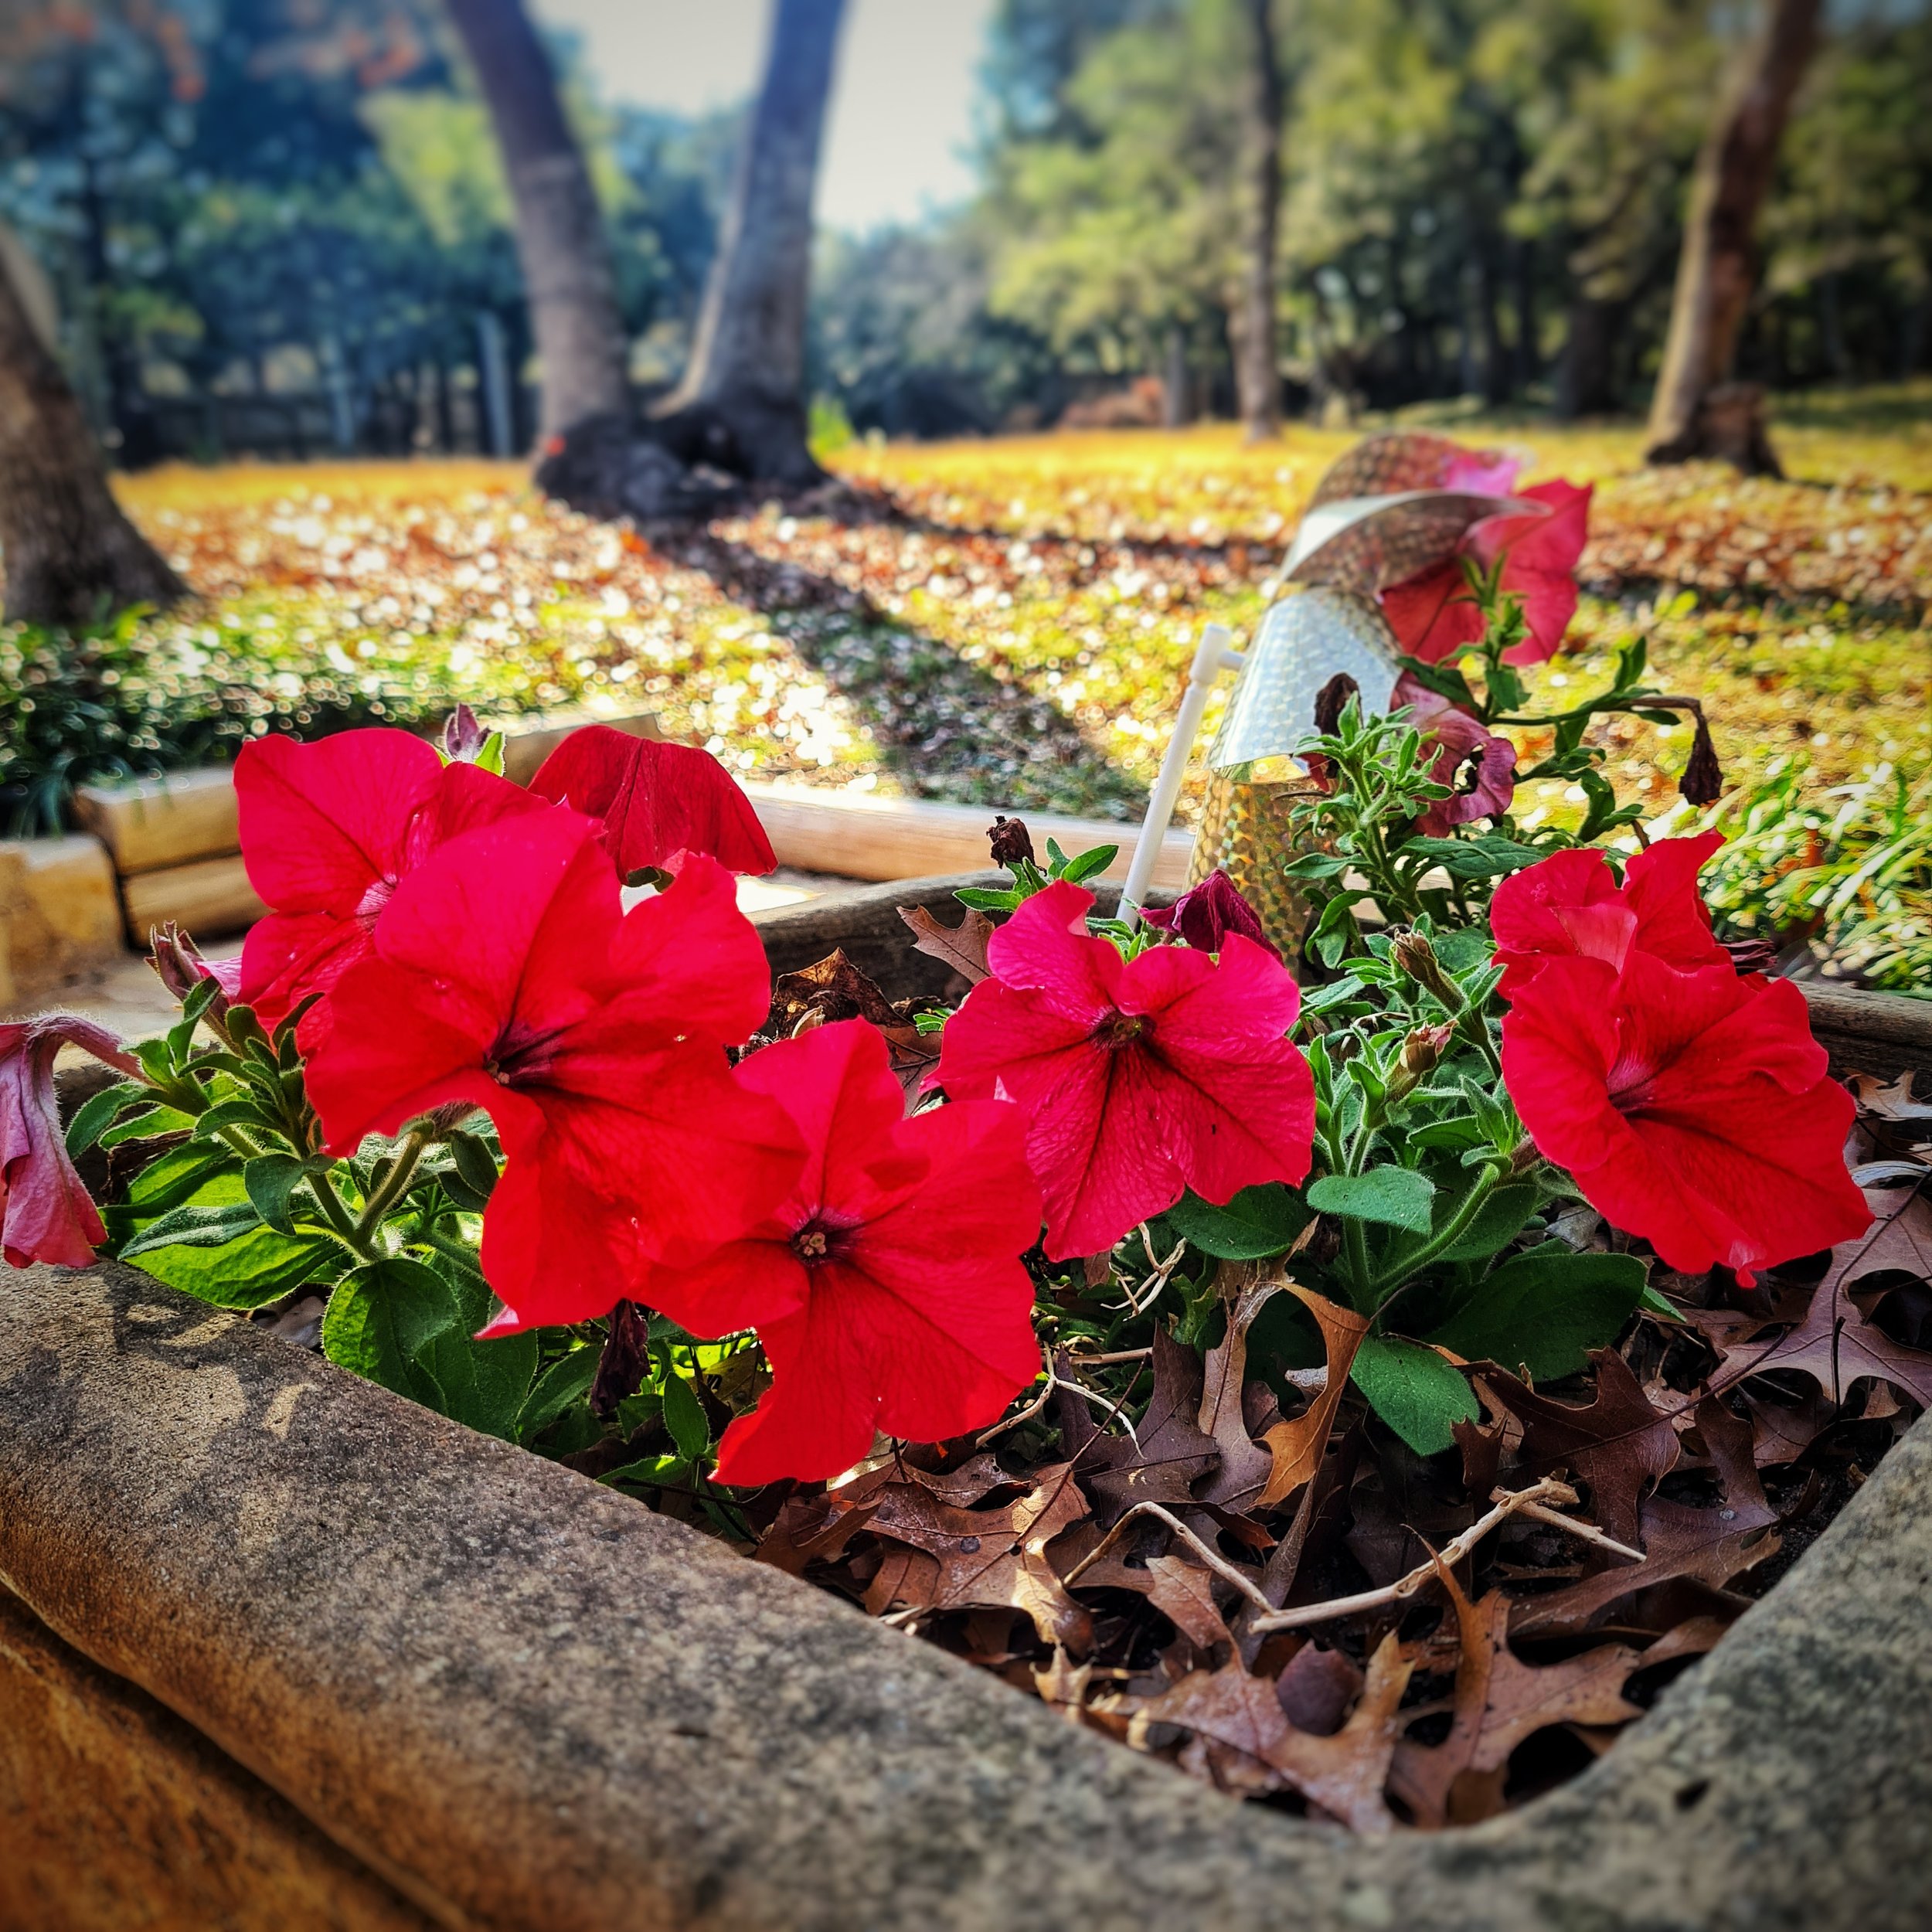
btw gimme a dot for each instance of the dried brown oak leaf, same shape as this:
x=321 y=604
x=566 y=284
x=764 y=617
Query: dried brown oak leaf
x=1297 y=1444
x=1246 y=1467
x=831 y=988
x=1896 y=1102
x=1242 y=1741
x=941 y=1557
x=1171 y=1453
x=1834 y=1343
x=963 y=947
x=1617 y=1442
x=1499 y=1702
x=1708 y=1545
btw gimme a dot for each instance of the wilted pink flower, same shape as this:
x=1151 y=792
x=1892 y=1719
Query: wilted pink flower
x=1206 y=914
x=45 y=1213
x=1458 y=737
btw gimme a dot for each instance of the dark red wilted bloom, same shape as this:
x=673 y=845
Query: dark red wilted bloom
x=1458 y=738
x=1137 y=1078
x=327 y=830
x=1692 y=1108
x=46 y=1213
x=655 y=800
x=1011 y=843
x=1204 y=915
x=1571 y=904
x=888 y=1290
x=1431 y=613
x=505 y=973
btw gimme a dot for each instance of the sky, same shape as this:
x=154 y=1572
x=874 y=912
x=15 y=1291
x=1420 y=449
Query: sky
x=902 y=104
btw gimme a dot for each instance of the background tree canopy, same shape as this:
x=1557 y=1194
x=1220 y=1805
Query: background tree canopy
x=245 y=199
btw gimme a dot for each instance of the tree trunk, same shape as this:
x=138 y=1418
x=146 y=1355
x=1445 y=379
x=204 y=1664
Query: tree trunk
x=568 y=276
x=1177 y=381
x=1587 y=371
x=1717 y=270
x=1257 y=376
x=71 y=557
x=747 y=367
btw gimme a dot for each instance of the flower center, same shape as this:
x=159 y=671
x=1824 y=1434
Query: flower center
x=1119 y=1030
x=521 y=1054
x=368 y=907
x=817 y=1241
x=1630 y=1081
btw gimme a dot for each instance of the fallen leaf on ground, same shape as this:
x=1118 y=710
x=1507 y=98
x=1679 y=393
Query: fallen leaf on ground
x=1296 y=1445
x=963 y=947
x=1246 y=1467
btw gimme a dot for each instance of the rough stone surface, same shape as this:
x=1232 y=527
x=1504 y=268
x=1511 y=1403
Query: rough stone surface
x=535 y=1704
x=115 y=1816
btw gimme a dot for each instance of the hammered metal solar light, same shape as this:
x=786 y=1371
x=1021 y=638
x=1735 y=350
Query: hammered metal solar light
x=1395 y=506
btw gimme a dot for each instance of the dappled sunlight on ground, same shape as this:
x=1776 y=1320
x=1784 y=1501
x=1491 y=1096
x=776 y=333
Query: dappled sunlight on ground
x=1007 y=621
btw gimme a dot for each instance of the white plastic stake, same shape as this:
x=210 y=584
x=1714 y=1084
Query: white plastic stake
x=1214 y=655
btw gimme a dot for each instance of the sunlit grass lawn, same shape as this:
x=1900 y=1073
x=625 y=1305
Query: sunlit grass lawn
x=1016 y=634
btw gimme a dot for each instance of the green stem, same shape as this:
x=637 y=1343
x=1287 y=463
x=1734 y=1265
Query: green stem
x=339 y=1217
x=1380 y=1291
x=457 y=1251
x=391 y=1189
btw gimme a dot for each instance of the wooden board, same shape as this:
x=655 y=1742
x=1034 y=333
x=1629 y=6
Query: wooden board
x=860 y=836
x=209 y=898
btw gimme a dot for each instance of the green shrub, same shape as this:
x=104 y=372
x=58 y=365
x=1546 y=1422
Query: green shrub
x=117 y=702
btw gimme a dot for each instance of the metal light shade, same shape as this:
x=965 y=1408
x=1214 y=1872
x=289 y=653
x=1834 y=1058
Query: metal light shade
x=1305 y=640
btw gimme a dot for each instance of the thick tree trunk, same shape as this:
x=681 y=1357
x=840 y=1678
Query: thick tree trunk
x=748 y=368
x=1257 y=377
x=71 y=557
x=568 y=276
x=1697 y=410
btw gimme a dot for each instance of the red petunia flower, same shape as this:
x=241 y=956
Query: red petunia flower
x=1139 y=1078
x=504 y=972
x=46 y=1213
x=1204 y=915
x=1458 y=737
x=888 y=1290
x=1692 y=1108
x=1570 y=904
x=1431 y=613
x=655 y=800
x=328 y=830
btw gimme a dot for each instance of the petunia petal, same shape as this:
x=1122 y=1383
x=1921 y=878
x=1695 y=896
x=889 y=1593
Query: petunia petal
x=1045 y=948
x=656 y=799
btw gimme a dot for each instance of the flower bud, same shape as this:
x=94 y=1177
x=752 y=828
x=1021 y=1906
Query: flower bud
x=1012 y=845
x=1423 y=1047
x=1205 y=915
x=179 y=966
x=464 y=738
x=1412 y=952
x=1703 y=783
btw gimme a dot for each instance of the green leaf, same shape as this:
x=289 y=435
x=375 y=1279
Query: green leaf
x=1088 y=863
x=1499 y=1221
x=684 y=1416
x=1542 y=1312
x=490 y=757
x=95 y=1116
x=988 y=898
x=1655 y=1303
x=243 y=1113
x=564 y=1383
x=484 y=1384
x=1488 y=855
x=177 y=1176
x=475 y=1165
x=144 y=1125
x=1259 y=1221
x=259 y=1267
x=198 y=1225
x=1419 y=1396
x=1397 y=1196
x=270 y=1179
x=655 y=1472
x=381 y=1318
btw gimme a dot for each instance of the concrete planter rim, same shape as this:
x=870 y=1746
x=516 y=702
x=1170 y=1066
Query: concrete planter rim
x=526 y=1700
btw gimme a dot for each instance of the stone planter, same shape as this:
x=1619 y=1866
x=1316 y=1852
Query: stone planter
x=278 y=1648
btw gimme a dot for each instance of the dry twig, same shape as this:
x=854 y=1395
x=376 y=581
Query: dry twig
x=1533 y=1501
x=1210 y=1556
